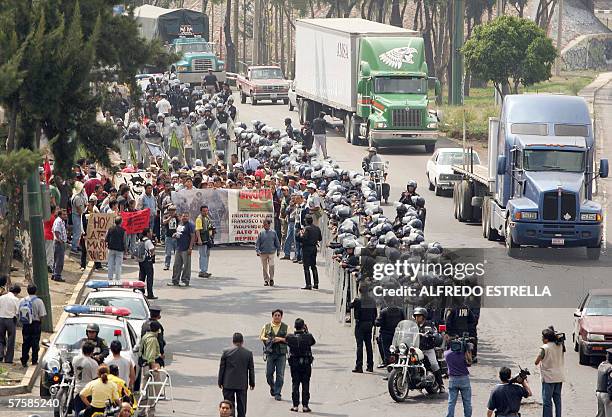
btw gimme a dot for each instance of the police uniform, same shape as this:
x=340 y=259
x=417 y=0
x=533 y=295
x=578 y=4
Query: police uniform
x=604 y=387
x=460 y=320
x=365 y=313
x=387 y=321
x=300 y=363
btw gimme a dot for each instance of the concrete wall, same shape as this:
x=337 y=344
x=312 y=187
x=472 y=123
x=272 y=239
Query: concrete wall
x=588 y=52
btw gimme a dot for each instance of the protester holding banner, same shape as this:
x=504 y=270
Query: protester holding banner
x=147 y=200
x=170 y=221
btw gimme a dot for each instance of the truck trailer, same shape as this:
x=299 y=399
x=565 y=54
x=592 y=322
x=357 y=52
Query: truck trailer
x=184 y=32
x=370 y=75
x=537 y=189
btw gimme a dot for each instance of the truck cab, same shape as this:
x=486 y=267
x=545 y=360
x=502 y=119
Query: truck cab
x=392 y=93
x=263 y=82
x=198 y=56
x=541 y=158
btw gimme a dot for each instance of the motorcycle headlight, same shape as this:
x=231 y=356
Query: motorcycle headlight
x=403 y=348
x=592 y=337
x=53 y=365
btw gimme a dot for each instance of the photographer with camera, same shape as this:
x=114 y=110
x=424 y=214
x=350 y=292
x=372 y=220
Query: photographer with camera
x=505 y=399
x=458 y=357
x=551 y=361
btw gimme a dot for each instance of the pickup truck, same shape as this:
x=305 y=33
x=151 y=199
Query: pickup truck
x=263 y=83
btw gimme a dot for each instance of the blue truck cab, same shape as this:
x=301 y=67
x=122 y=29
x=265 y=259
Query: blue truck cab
x=542 y=169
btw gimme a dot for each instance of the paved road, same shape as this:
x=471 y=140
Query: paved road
x=200 y=321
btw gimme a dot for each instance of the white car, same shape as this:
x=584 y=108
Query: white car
x=439 y=173
x=292 y=97
x=122 y=294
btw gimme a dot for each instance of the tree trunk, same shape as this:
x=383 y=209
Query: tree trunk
x=417 y=14
x=244 y=43
x=12 y=127
x=235 y=35
x=396 y=16
x=230 y=48
x=281 y=25
x=8 y=228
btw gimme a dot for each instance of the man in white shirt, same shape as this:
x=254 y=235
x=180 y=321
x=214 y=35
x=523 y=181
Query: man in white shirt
x=9 y=307
x=85 y=371
x=125 y=365
x=163 y=106
x=315 y=206
x=251 y=164
x=60 y=237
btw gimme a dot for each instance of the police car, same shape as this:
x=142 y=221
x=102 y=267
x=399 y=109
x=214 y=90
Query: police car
x=120 y=294
x=67 y=342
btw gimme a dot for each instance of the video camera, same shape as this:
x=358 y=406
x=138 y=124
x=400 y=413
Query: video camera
x=522 y=376
x=461 y=344
x=559 y=338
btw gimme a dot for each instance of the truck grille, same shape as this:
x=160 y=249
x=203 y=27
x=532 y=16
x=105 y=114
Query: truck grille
x=270 y=88
x=407 y=117
x=202 y=65
x=553 y=209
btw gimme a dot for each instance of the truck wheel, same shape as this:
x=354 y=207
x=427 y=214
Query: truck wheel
x=511 y=248
x=593 y=253
x=347 y=127
x=253 y=101
x=456 y=192
x=290 y=105
x=300 y=107
x=243 y=97
x=430 y=147
x=274 y=101
x=465 y=202
x=286 y=101
x=431 y=186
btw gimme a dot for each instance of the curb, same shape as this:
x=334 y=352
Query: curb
x=28 y=380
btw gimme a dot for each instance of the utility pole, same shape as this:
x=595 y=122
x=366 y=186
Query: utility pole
x=559 y=33
x=256 y=32
x=500 y=12
x=457 y=59
x=34 y=215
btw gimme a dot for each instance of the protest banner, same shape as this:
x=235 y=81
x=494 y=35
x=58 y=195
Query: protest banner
x=237 y=215
x=95 y=242
x=135 y=221
x=135 y=180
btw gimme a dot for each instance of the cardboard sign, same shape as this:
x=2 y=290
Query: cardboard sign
x=135 y=221
x=95 y=242
x=135 y=180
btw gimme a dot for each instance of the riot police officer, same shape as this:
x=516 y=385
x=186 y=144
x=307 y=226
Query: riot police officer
x=387 y=321
x=300 y=363
x=153 y=134
x=406 y=197
x=101 y=349
x=231 y=109
x=604 y=386
x=132 y=139
x=289 y=127
x=428 y=343
x=222 y=116
x=364 y=309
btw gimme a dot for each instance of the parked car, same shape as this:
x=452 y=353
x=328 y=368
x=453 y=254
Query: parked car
x=113 y=326
x=292 y=97
x=592 y=334
x=120 y=294
x=263 y=83
x=439 y=168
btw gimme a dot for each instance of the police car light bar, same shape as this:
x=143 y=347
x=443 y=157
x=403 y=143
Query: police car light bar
x=106 y=310
x=99 y=284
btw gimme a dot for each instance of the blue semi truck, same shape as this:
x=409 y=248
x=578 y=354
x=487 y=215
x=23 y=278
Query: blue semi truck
x=537 y=189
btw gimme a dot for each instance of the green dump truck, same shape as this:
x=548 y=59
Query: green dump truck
x=370 y=75
x=185 y=32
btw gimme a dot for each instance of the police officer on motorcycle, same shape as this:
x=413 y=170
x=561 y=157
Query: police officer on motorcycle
x=406 y=197
x=427 y=344
x=101 y=350
x=371 y=158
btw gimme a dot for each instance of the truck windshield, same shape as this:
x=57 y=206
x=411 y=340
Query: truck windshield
x=401 y=85
x=195 y=47
x=552 y=160
x=267 y=74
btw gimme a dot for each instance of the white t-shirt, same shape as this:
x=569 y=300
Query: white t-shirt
x=88 y=371
x=163 y=106
x=124 y=365
x=314 y=201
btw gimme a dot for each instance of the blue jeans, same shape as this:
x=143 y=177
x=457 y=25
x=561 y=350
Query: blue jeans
x=276 y=362
x=170 y=249
x=456 y=385
x=115 y=262
x=289 y=240
x=77 y=229
x=203 y=251
x=130 y=241
x=551 y=393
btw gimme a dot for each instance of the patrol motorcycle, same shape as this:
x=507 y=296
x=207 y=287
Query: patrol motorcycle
x=378 y=175
x=408 y=371
x=63 y=391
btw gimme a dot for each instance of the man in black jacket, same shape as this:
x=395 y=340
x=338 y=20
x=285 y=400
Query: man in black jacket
x=115 y=242
x=319 y=130
x=310 y=236
x=300 y=362
x=364 y=309
x=387 y=321
x=236 y=373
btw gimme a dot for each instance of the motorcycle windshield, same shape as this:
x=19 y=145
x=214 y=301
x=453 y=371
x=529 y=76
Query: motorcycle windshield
x=406 y=332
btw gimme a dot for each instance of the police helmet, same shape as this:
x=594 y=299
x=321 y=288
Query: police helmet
x=419 y=311
x=411 y=183
x=93 y=327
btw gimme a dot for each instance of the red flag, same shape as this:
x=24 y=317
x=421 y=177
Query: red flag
x=47 y=169
x=135 y=221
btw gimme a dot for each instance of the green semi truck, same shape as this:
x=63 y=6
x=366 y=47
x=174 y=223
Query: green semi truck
x=370 y=75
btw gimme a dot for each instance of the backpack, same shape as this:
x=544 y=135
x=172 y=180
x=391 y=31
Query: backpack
x=139 y=251
x=26 y=310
